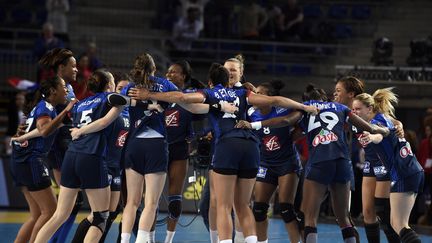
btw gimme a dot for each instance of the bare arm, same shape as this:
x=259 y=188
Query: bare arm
x=205 y=108
x=365 y=126
x=46 y=126
x=32 y=134
x=279 y=101
x=276 y=122
x=97 y=125
x=399 y=128
x=170 y=97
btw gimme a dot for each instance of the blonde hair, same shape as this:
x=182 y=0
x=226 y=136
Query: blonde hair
x=238 y=59
x=382 y=101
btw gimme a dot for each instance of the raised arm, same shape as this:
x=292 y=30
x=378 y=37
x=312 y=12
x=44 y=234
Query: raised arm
x=276 y=122
x=46 y=126
x=279 y=101
x=205 y=108
x=365 y=126
x=98 y=124
x=170 y=97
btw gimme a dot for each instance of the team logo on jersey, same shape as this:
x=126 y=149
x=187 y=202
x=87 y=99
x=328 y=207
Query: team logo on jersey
x=366 y=168
x=324 y=137
x=262 y=172
x=121 y=139
x=405 y=151
x=172 y=118
x=271 y=143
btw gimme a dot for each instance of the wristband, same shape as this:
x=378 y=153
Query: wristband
x=256 y=125
x=215 y=107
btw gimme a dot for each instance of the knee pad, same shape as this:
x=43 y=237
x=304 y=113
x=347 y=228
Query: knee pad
x=113 y=215
x=99 y=219
x=260 y=211
x=287 y=212
x=175 y=206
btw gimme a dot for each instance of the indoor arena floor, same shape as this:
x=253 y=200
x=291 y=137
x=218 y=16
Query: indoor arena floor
x=196 y=232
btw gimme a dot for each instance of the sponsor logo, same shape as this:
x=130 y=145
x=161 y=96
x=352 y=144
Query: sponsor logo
x=380 y=170
x=109 y=179
x=271 y=143
x=116 y=180
x=262 y=172
x=193 y=192
x=121 y=138
x=392 y=183
x=406 y=151
x=324 y=137
x=172 y=118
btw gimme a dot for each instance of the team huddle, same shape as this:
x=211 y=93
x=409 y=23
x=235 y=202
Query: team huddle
x=132 y=133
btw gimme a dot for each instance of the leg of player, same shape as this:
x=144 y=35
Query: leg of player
x=154 y=185
x=66 y=201
x=263 y=193
x=177 y=170
x=99 y=203
x=134 y=184
x=287 y=191
x=368 y=201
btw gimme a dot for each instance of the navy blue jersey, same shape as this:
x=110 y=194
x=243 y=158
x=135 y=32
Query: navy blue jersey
x=395 y=153
x=178 y=122
x=224 y=123
x=145 y=123
x=277 y=146
x=325 y=131
x=117 y=134
x=83 y=113
x=39 y=145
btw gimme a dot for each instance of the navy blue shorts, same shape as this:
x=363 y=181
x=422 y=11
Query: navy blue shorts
x=178 y=151
x=236 y=156
x=271 y=173
x=57 y=153
x=330 y=171
x=376 y=169
x=114 y=178
x=33 y=174
x=413 y=183
x=85 y=171
x=147 y=155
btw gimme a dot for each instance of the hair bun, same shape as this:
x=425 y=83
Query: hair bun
x=240 y=58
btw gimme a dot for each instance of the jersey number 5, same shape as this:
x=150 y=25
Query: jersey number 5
x=85 y=118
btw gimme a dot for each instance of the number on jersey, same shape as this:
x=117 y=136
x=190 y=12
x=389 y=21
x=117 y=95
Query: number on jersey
x=229 y=115
x=85 y=118
x=329 y=118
